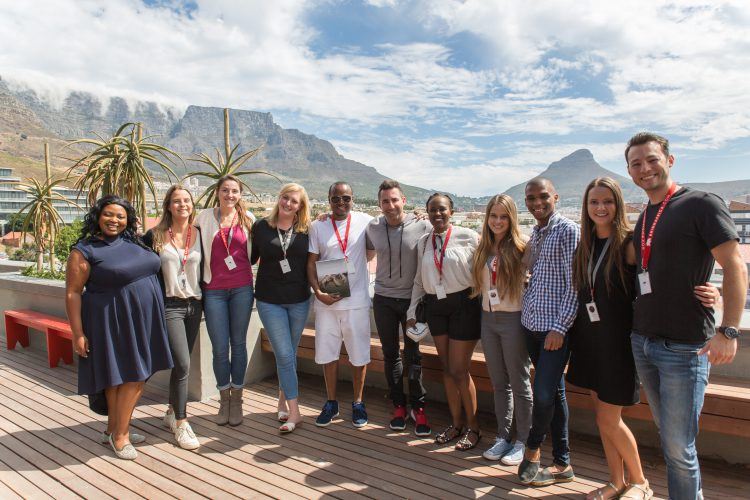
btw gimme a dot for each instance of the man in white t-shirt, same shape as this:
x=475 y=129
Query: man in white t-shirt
x=337 y=319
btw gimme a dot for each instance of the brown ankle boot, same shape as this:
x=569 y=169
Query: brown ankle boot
x=222 y=418
x=235 y=407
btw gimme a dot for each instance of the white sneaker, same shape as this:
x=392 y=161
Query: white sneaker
x=185 y=437
x=515 y=455
x=134 y=438
x=169 y=420
x=497 y=450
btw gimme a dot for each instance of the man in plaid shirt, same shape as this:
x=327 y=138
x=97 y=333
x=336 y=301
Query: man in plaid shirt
x=550 y=304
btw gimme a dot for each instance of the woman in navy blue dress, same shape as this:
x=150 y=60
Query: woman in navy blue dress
x=116 y=312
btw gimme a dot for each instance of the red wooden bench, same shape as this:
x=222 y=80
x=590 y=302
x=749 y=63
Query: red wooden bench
x=57 y=330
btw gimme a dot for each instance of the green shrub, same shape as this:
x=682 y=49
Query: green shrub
x=46 y=273
x=67 y=236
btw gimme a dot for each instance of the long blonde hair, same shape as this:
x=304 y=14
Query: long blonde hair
x=510 y=269
x=161 y=228
x=302 y=218
x=620 y=234
x=244 y=219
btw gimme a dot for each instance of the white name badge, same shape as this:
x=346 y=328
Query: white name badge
x=494 y=299
x=593 y=312
x=183 y=281
x=285 y=267
x=644 y=282
x=229 y=261
x=440 y=292
x=350 y=267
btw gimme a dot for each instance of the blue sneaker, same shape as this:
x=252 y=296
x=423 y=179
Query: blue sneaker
x=329 y=412
x=515 y=455
x=359 y=414
x=499 y=450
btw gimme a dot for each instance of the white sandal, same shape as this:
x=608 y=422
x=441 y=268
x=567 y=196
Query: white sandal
x=638 y=491
x=283 y=416
x=600 y=491
x=289 y=427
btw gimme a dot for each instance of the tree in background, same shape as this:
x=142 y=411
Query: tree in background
x=225 y=165
x=41 y=218
x=117 y=165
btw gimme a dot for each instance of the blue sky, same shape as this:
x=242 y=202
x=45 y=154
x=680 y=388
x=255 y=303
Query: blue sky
x=470 y=96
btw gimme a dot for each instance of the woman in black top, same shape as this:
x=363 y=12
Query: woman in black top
x=282 y=292
x=601 y=357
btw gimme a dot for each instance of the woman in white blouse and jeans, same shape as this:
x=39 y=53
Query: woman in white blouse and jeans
x=444 y=280
x=177 y=242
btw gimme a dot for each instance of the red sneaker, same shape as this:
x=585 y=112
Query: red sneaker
x=398 y=420
x=421 y=425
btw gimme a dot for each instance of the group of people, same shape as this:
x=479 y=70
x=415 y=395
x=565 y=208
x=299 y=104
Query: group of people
x=618 y=307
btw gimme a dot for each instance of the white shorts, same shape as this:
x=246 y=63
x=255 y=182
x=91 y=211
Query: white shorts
x=350 y=325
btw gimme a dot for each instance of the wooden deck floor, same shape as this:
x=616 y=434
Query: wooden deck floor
x=49 y=449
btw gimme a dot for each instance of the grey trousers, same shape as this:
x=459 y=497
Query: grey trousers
x=508 y=364
x=183 y=324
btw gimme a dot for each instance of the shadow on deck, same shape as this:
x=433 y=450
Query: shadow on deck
x=49 y=449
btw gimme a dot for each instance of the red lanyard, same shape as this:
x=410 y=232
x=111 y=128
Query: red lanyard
x=343 y=244
x=224 y=236
x=494 y=272
x=439 y=263
x=646 y=243
x=184 y=259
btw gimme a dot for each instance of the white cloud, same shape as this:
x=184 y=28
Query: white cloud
x=677 y=66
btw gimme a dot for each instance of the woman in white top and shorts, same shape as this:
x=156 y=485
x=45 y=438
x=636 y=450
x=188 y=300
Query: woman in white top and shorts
x=444 y=281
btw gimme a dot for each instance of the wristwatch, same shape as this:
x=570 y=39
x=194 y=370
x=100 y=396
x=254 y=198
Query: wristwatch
x=729 y=332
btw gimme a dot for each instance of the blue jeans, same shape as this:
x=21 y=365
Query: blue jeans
x=550 y=408
x=227 y=318
x=675 y=380
x=284 y=324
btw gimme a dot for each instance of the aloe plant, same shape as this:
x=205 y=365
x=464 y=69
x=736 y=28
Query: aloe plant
x=117 y=165
x=225 y=165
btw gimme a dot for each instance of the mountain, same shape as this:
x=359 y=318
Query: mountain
x=27 y=120
x=571 y=175
x=290 y=154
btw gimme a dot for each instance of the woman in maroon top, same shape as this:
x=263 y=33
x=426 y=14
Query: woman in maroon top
x=228 y=292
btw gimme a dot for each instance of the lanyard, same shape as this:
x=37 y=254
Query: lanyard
x=285 y=240
x=342 y=244
x=184 y=258
x=493 y=272
x=592 y=273
x=439 y=263
x=646 y=243
x=227 y=243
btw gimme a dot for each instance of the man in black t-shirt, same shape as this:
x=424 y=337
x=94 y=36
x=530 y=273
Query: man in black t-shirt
x=677 y=239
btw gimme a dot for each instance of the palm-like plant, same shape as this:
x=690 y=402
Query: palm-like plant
x=225 y=165
x=117 y=165
x=41 y=216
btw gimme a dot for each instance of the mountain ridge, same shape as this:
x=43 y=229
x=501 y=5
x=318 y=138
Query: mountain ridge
x=26 y=120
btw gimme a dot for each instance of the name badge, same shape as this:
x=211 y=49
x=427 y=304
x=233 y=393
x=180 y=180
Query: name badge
x=285 y=267
x=593 y=312
x=494 y=299
x=350 y=267
x=229 y=261
x=183 y=281
x=644 y=282
x=440 y=292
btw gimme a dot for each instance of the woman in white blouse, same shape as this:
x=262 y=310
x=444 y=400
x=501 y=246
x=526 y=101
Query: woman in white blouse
x=444 y=282
x=177 y=242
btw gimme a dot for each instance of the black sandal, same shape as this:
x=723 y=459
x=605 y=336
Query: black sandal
x=449 y=434
x=465 y=443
